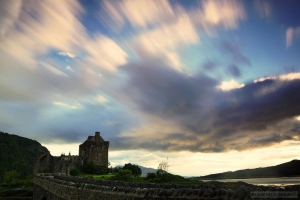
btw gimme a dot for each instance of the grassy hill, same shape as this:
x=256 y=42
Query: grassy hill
x=18 y=153
x=289 y=169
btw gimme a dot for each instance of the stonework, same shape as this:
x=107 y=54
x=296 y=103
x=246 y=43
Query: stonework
x=57 y=187
x=94 y=149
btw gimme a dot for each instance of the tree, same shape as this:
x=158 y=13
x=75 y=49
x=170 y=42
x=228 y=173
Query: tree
x=74 y=172
x=89 y=168
x=116 y=169
x=151 y=175
x=163 y=166
x=160 y=172
x=124 y=174
x=11 y=176
x=136 y=171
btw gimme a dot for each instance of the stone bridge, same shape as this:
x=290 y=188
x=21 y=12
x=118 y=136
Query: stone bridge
x=58 y=187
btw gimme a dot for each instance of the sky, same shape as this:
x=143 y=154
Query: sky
x=210 y=86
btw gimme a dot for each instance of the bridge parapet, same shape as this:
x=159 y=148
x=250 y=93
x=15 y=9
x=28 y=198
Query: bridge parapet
x=59 y=187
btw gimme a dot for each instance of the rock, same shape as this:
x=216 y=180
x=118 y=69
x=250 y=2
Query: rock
x=170 y=192
x=230 y=193
x=222 y=192
x=214 y=193
x=207 y=193
x=201 y=192
x=176 y=193
x=188 y=192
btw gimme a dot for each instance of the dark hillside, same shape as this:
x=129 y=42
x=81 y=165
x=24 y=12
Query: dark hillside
x=18 y=153
x=289 y=169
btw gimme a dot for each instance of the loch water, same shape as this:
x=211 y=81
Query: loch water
x=283 y=181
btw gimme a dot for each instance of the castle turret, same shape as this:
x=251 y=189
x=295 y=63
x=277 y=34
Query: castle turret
x=97 y=137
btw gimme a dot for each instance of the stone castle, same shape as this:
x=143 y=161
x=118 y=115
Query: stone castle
x=94 y=150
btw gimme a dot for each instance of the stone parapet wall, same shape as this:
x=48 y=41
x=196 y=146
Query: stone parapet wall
x=59 y=187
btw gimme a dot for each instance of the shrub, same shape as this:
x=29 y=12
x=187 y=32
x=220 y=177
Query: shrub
x=74 y=172
x=123 y=174
x=11 y=176
x=151 y=175
x=136 y=171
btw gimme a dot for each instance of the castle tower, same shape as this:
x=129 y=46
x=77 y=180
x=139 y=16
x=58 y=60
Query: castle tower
x=95 y=149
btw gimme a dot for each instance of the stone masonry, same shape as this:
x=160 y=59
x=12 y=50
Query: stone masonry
x=94 y=149
x=57 y=187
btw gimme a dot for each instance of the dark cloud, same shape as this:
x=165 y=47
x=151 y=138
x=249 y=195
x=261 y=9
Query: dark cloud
x=286 y=12
x=165 y=91
x=208 y=120
x=234 y=70
x=234 y=50
x=290 y=69
x=209 y=66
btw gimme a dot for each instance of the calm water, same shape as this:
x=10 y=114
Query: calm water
x=266 y=181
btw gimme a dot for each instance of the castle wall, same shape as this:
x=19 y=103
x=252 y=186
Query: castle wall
x=57 y=164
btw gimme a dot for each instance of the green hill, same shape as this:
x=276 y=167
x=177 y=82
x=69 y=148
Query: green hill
x=289 y=169
x=18 y=153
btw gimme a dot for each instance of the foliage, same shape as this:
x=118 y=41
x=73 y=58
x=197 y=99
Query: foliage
x=19 y=154
x=74 y=172
x=150 y=175
x=116 y=169
x=91 y=168
x=136 y=171
x=97 y=177
x=163 y=166
x=123 y=174
x=11 y=176
x=103 y=177
x=26 y=182
x=160 y=177
x=160 y=172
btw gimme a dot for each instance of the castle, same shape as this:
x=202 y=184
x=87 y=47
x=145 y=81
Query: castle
x=94 y=150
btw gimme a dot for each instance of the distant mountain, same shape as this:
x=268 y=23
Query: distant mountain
x=289 y=169
x=146 y=170
x=18 y=153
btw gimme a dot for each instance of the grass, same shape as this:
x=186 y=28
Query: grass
x=167 y=178
x=97 y=177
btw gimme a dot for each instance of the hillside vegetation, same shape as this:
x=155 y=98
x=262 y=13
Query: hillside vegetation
x=289 y=169
x=17 y=154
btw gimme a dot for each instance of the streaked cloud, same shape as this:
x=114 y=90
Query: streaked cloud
x=290 y=76
x=69 y=68
x=30 y=36
x=61 y=104
x=167 y=39
x=234 y=50
x=263 y=8
x=291 y=35
x=284 y=77
x=139 y=13
x=105 y=53
x=10 y=11
x=101 y=99
x=157 y=78
x=230 y=85
x=53 y=69
x=214 y=14
x=68 y=54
